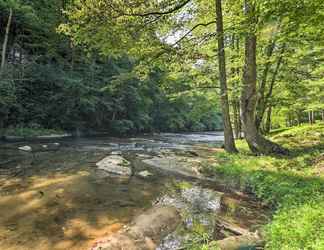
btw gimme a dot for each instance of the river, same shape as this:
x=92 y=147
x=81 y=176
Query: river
x=56 y=196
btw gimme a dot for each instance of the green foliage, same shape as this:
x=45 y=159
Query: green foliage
x=298 y=227
x=31 y=131
x=108 y=97
x=291 y=184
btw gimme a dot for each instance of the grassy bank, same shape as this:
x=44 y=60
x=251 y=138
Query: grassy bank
x=29 y=132
x=292 y=185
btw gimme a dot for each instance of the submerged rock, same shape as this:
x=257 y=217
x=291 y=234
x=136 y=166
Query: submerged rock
x=178 y=165
x=198 y=206
x=115 y=164
x=171 y=242
x=145 y=232
x=26 y=148
x=202 y=198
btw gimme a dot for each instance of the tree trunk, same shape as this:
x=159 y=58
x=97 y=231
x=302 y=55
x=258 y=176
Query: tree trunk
x=257 y=143
x=236 y=115
x=309 y=117
x=261 y=98
x=264 y=99
x=229 y=143
x=5 y=42
x=267 y=126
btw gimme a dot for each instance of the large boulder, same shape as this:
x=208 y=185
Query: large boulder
x=145 y=232
x=116 y=165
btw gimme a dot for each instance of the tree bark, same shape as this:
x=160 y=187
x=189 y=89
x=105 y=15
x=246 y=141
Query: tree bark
x=257 y=143
x=229 y=143
x=5 y=42
x=260 y=101
x=235 y=99
x=237 y=121
x=267 y=126
x=264 y=99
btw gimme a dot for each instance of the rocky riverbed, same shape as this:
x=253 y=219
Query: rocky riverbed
x=76 y=193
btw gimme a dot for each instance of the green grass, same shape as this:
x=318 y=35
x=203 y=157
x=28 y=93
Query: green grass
x=292 y=185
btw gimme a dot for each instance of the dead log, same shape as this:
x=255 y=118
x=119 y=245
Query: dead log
x=145 y=232
x=239 y=242
x=222 y=224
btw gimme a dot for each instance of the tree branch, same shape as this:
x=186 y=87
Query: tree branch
x=152 y=13
x=192 y=29
x=159 y=13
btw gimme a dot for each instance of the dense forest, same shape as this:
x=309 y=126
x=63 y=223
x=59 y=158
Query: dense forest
x=248 y=75
x=141 y=67
x=47 y=81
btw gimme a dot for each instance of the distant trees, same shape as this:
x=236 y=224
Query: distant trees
x=57 y=83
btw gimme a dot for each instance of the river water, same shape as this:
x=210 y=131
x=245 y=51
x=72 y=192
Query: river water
x=56 y=197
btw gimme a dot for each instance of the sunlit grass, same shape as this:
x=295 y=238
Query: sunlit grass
x=292 y=185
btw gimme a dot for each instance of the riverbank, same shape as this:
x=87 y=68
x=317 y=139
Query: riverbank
x=28 y=133
x=75 y=192
x=293 y=186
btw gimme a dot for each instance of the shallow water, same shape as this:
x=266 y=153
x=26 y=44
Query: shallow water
x=58 y=199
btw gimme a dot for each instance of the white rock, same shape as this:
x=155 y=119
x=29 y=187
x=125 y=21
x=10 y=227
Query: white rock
x=116 y=153
x=144 y=156
x=115 y=164
x=26 y=148
x=145 y=174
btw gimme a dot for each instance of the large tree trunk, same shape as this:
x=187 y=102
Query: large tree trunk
x=5 y=42
x=229 y=143
x=257 y=143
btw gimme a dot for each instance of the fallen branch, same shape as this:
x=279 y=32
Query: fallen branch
x=230 y=227
x=238 y=242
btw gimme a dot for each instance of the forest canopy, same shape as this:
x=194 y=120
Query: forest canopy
x=143 y=66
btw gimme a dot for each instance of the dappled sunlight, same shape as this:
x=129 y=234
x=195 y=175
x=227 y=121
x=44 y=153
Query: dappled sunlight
x=54 y=208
